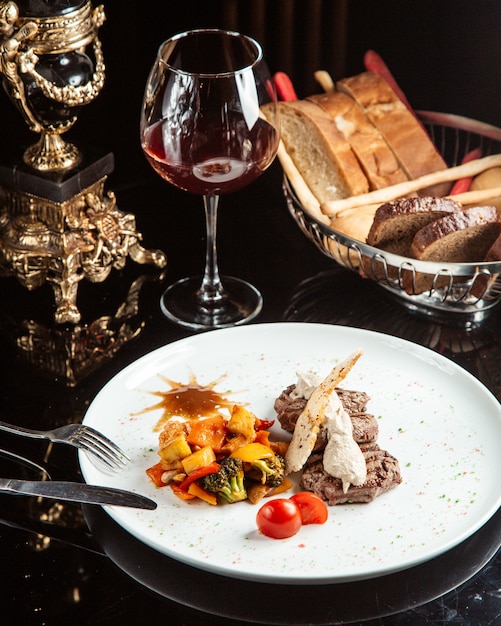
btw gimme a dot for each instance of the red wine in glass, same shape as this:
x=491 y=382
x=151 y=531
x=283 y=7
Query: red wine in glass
x=211 y=172
x=204 y=131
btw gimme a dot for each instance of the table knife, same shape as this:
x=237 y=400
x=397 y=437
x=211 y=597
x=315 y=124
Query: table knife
x=75 y=492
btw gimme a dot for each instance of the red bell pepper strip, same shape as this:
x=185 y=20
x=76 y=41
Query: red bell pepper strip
x=155 y=473
x=464 y=184
x=212 y=468
x=260 y=424
x=285 y=88
x=180 y=493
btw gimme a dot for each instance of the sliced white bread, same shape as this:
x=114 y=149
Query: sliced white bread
x=373 y=153
x=321 y=154
x=404 y=134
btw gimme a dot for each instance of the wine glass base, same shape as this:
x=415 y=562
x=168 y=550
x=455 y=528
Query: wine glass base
x=241 y=303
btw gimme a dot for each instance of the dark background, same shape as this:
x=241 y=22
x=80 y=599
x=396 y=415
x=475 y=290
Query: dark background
x=446 y=55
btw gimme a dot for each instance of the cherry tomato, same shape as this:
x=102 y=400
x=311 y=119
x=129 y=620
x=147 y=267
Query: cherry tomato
x=279 y=519
x=313 y=508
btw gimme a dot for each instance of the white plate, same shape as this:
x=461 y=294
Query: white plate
x=440 y=422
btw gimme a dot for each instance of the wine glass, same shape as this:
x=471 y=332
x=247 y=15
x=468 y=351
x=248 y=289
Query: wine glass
x=203 y=130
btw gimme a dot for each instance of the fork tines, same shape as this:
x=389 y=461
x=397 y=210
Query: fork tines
x=102 y=448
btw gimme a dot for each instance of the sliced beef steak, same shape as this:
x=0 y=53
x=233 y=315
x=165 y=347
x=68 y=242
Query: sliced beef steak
x=383 y=473
x=353 y=401
x=365 y=426
x=288 y=409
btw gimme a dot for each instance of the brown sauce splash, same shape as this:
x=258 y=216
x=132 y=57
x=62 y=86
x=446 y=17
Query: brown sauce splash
x=189 y=401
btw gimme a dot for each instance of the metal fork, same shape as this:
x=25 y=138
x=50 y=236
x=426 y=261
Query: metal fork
x=80 y=436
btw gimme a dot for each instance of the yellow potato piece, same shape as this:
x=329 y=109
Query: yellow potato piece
x=242 y=422
x=200 y=458
x=175 y=450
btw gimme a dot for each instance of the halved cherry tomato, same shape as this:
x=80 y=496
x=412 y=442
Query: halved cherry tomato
x=279 y=519
x=313 y=508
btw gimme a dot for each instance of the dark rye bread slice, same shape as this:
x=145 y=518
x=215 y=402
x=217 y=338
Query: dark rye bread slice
x=483 y=282
x=405 y=135
x=395 y=223
x=494 y=252
x=393 y=229
x=373 y=153
x=462 y=237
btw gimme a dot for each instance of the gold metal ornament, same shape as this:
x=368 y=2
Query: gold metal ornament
x=24 y=43
x=85 y=236
x=57 y=222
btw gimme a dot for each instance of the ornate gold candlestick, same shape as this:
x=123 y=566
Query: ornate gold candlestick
x=48 y=74
x=57 y=224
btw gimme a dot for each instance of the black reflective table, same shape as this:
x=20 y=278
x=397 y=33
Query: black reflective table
x=74 y=565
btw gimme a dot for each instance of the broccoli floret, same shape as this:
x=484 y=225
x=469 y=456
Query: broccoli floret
x=272 y=470
x=228 y=481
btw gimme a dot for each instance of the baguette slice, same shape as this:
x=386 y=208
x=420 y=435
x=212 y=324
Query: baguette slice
x=404 y=134
x=462 y=237
x=321 y=154
x=373 y=153
x=395 y=223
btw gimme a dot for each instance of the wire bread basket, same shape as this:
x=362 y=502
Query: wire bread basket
x=468 y=290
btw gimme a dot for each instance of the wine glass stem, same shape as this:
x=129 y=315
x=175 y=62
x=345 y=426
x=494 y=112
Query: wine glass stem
x=211 y=293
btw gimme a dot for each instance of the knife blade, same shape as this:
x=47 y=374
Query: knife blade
x=76 y=492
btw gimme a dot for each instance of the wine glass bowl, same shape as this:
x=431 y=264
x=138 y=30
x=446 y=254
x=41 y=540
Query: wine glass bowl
x=202 y=130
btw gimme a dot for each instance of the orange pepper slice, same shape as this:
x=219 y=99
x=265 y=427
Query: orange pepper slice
x=252 y=452
x=199 y=492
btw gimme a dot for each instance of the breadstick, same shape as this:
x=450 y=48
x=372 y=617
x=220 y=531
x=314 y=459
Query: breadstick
x=476 y=195
x=386 y=194
x=325 y=81
x=303 y=192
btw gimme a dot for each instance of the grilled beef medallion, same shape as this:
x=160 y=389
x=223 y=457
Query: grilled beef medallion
x=365 y=426
x=383 y=471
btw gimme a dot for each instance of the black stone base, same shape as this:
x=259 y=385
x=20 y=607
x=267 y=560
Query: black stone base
x=56 y=186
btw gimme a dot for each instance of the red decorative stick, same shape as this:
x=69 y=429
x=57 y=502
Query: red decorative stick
x=285 y=88
x=463 y=184
x=374 y=63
